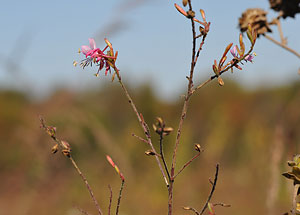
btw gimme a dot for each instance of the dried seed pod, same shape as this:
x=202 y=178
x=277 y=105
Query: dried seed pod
x=198 y=148
x=167 y=131
x=190 y=14
x=54 y=149
x=66 y=152
x=184 y=2
x=257 y=19
x=149 y=152
x=65 y=145
x=288 y=8
x=220 y=81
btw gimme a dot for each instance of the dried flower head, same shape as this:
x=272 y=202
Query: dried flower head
x=257 y=19
x=287 y=8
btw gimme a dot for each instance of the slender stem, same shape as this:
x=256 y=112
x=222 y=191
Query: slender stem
x=212 y=190
x=187 y=96
x=187 y=164
x=224 y=70
x=191 y=209
x=110 y=199
x=162 y=155
x=200 y=48
x=296 y=188
x=283 y=46
x=143 y=124
x=120 y=196
x=283 y=40
x=140 y=138
x=87 y=185
x=82 y=211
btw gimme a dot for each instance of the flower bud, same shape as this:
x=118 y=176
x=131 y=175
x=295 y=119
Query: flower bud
x=184 y=2
x=149 y=152
x=54 y=149
x=167 y=131
x=65 y=145
x=198 y=148
x=66 y=152
x=190 y=14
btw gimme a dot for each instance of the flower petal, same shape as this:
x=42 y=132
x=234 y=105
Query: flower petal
x=233 y=51
x=85 y=49
x=92 y=43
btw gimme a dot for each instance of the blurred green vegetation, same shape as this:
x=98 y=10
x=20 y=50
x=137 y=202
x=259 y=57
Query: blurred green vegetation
x=235 y=127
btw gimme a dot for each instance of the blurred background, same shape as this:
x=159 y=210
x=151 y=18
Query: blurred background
x=249 y=126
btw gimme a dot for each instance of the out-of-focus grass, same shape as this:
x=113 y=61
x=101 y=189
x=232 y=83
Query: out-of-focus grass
x=235 y=127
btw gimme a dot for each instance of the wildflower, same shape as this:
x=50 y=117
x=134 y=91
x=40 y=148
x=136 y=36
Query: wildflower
x=94 y=55
x=233 y=51
x=249 y=58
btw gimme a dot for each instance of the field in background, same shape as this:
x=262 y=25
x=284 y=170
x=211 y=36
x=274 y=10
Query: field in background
x=237 y=128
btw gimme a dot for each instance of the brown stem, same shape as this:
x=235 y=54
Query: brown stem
x=212 y=190
x=296 y=188
x=110 y=199
x=140 y=138
x=87 y=185
x=187 y=96
x=187 y=164
x=283 y=46
x=162 y=155
x=119 y=198
x=143 y=124
x=224 y=70
x=283 y=40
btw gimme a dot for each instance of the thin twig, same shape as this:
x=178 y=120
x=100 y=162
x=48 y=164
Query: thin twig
x=212 y=190
x=187 y=164
x=110 y=199
x=223 y=71
x=143 y=124
x=183 y=113
x=191 y=209
x=222 y=205
x=296 y=188
x=200 y=48
x=283 y=40
x=65 y=145
x=140 y=138
x=119 y=198
x=282 y=45
x=162 y=155
x=82 y=211
x=87 y=185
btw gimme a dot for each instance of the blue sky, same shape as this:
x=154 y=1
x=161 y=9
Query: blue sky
x=40 y=40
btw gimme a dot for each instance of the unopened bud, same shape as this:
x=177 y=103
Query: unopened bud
x=51 y=131
x=149 y=152
x=198 y=148
x=190 y=14
x=202 y=14
x=220 y=81
x=167 y=131
x=65 y=145
x=66 y=152
x=184 y=2
x=160 y=122
x=54 y=149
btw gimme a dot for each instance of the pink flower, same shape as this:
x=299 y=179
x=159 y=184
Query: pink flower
x=249 y=58
x=233 y=51
x=94 y=55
